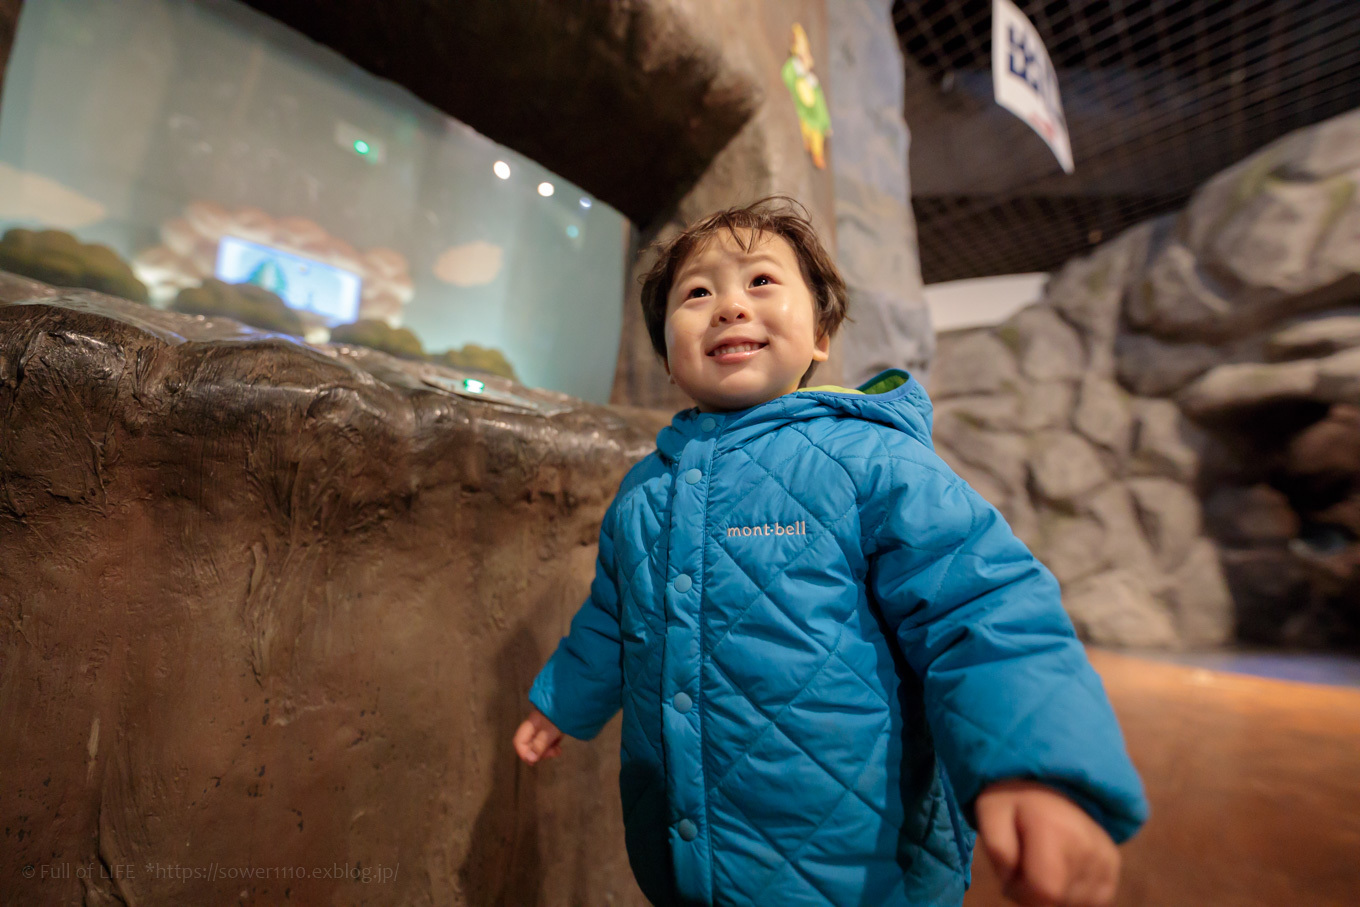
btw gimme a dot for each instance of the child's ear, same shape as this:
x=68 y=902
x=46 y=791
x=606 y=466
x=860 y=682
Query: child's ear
x=822 y=348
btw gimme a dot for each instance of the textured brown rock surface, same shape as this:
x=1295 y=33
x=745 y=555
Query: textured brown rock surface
x=270 y=606
x=9 y=21
x=1254 y=788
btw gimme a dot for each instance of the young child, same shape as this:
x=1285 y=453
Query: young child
x=836 y=662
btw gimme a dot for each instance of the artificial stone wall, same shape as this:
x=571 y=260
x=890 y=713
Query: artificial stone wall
x=1175 y=427
x=276 y=607
x=9 y=21
x=860 y=203
x=766 y=157
x=875 y=226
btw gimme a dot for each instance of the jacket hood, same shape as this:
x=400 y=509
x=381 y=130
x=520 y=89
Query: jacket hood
x=892 y=397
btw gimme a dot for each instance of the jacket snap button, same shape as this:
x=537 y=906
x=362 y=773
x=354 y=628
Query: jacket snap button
x=688 y=830
x=683 y=583
x=683 y=703
x=693 y=476
x=708 y=424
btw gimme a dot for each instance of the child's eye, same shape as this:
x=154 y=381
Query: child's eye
x=763 y=277
x=696 y=291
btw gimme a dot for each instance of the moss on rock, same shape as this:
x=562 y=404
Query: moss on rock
x=58 y=258
x=244 y=302
x=379 y=335
x=472 y=356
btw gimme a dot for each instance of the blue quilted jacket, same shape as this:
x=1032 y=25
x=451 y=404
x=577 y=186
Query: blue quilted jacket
x=824 y=644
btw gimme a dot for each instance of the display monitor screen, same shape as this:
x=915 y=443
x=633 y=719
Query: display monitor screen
x=303 y=283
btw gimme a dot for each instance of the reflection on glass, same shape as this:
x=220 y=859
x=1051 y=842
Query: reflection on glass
x=307 y=284
x=202 y=140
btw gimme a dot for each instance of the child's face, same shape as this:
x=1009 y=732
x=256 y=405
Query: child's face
x=722 y=295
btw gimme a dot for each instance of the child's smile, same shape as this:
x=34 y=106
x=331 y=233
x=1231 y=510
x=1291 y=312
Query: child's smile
x=740 y=325
x=736 y=351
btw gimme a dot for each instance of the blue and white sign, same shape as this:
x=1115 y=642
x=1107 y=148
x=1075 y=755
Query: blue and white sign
x=303 y=283
x=1024 y=81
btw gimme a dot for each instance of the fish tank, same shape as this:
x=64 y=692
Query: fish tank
x=204 y=142
x=305 y=284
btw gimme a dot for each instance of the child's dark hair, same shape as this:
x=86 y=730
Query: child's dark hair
x=776 y=215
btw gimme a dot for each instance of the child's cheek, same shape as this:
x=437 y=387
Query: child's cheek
x=670 y=340
x=678 y=336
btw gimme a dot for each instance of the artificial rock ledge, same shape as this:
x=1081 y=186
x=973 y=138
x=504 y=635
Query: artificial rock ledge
x=1174 y=428
x=276 y=607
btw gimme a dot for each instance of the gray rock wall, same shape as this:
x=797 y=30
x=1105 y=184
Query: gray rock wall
x=861 y=204
x=1210 y=356
x=875 y=226
x=766 y=157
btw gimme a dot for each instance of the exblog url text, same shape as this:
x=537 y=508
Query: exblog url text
x=212 y=872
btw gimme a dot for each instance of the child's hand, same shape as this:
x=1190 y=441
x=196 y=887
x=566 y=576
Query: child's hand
x=1047 y=851
x=537 y=738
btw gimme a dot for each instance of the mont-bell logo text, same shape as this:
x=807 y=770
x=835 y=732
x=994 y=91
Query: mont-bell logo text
x=797 y=528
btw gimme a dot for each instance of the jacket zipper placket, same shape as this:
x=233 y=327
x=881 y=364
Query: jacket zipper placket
x=700 y=702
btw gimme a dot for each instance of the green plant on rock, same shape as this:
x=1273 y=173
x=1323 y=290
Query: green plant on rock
x=1340 y=194
x=1255 y=176
x=1009 y=334
x=58 y=258
x=1097 y=280
x=243 y=302
x=973 y=420
x=379 y=335
x=482 y=358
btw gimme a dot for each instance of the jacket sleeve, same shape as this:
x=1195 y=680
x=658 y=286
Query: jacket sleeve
x=1009 y=692
x=580 y=687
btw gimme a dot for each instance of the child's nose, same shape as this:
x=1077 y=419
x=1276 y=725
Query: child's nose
x=730 y=309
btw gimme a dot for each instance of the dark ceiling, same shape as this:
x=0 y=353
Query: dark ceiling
x=1159 y=95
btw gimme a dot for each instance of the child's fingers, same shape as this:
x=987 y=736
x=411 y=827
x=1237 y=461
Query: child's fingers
x=544 y=739
x=1095 y=876
x=996 y=827
x=1043 y=878
x=1089 y=892
x=537 y=738
x=524 y=742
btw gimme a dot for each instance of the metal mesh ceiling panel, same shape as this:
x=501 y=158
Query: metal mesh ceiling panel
x=1158 y=95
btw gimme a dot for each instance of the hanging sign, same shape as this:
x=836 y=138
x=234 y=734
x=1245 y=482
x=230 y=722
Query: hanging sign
x=1024 y=81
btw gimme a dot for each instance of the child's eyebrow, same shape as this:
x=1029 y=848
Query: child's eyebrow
x=760 y=257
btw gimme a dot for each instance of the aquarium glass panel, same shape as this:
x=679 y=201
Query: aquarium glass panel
x=203 y=140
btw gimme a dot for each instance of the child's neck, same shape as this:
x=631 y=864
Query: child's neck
x=707 y=409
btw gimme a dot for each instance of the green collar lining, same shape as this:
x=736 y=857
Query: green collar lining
x=885 y=381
